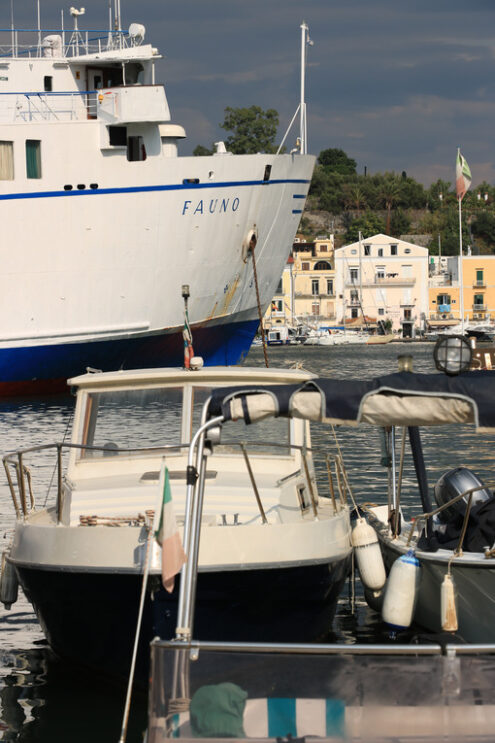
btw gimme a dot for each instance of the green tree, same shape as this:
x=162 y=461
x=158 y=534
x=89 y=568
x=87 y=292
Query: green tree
x=252 y=130
x=389 y=194
x=483 y=226
x=354 y=197
x=400 y=224
x=368 y=224
x=200 y=151
x=336 y=161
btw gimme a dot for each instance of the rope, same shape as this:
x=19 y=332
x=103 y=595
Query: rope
x=251 y=248
x=55 y=467
x=125 y=720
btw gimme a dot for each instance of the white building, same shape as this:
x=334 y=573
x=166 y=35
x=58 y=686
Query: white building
x=382 y=278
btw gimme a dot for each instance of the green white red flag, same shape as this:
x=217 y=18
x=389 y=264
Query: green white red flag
x=462 y=176
x=168 y=537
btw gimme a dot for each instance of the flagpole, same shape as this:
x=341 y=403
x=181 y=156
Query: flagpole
x=461 y=288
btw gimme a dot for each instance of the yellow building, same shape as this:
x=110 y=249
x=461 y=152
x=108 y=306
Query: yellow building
x=306 y=292
x=478 y=282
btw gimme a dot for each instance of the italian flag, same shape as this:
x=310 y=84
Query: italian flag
x=168 y=537
x=462 y=176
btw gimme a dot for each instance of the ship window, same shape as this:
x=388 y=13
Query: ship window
x=268 y=170
x=117 y=136
x=48 y=83
x=136 y=149
x=6 y=161
x=33 y=158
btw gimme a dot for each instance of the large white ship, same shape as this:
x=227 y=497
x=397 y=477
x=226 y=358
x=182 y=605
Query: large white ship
x=103 y=222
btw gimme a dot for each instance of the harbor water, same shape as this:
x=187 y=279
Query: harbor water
x=45 y=700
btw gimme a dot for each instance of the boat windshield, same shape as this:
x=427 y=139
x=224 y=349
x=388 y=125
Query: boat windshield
x=270 y=436
x=120 y=420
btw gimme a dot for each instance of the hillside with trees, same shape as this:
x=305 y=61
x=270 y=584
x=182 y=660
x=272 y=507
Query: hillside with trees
x=345 y=203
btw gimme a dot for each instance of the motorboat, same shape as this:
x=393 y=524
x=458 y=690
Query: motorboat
x=96 y=198
x=274 y=554
x=435 y=689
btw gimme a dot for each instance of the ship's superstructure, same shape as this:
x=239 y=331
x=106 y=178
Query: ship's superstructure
x=103 y=222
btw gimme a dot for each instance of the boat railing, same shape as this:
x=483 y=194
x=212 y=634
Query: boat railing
x=20 y=480
x=28 y=43
x=41 y=106
x=420 y=520
x=320 y=692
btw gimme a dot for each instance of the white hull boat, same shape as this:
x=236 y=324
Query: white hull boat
x=95 y=198
x=269 y=545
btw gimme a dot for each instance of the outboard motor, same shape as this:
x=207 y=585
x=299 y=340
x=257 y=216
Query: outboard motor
x=453 y=483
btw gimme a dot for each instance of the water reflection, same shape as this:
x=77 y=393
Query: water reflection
x=44 y=700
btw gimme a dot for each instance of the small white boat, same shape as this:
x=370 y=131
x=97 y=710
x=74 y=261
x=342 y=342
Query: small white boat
x=273 y=553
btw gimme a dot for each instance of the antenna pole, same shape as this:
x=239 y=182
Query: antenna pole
x=302 y=105
x=12 y=25
x=39 y=29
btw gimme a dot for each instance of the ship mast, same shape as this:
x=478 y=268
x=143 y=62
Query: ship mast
x=303 y=129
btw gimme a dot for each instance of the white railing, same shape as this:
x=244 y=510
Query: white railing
x=32 y=43
x=39 y=107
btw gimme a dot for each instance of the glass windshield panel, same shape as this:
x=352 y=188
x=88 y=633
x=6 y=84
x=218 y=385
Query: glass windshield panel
x=261 y=437
x=132 y=419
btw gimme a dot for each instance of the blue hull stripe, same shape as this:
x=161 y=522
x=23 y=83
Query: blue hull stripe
x=145 y=189
x=29 y=368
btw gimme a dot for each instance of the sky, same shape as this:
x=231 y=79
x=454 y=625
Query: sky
x=398 y=85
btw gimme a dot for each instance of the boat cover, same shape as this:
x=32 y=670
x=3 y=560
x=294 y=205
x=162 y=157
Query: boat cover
x=400 y=399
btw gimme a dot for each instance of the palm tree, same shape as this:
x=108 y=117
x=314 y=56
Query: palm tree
x=354 y=197
x=389 y=195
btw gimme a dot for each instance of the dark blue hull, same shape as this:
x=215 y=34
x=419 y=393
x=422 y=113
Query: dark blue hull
x=45 y=369
x=90 y=618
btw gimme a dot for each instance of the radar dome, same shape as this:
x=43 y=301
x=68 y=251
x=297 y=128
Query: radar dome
x=137 y=32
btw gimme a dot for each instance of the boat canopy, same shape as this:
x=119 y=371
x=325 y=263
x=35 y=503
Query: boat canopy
x=400 y=399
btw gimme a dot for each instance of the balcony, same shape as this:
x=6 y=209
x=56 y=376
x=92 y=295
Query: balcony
x=441 y=316
x=310 y=295
x=479 y=307
x=387 y=280
x=479 y=284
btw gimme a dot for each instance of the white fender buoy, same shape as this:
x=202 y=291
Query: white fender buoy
x=9 y=583
x=448 y=610
x=401 y=591
x=368 y=555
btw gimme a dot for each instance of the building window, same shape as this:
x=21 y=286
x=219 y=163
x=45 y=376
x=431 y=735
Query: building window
x=381 y=311
x=479 y=300
x=393 y=250
x=48 y=83
x=380 y=272
x=280 y=289
x=407 y=250
x=33 y=158
x=315 y=287
x=354 y=312
x=323 y=248
x=380 y=252
x=479 y=277
x=367 y=249
x=443 y=299
x=407 y=314
x=354 y=274
x=354 y=296
x=315 y=308
x=305 y=266
x=136 y=150
x=6 y=161
x=277 y=306
x=322 y=266
x=330 y=287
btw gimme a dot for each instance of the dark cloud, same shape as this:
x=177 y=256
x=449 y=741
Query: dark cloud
x=399 y=86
